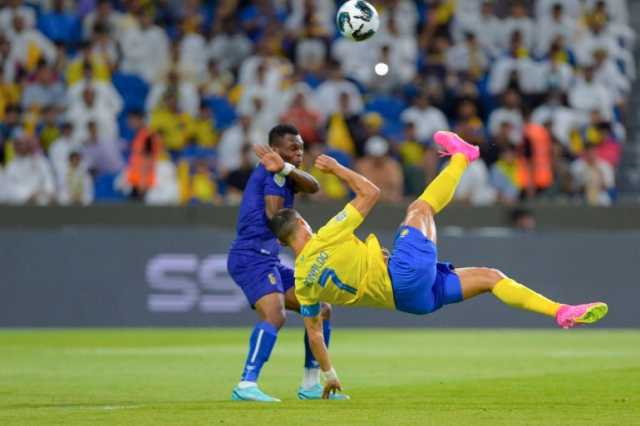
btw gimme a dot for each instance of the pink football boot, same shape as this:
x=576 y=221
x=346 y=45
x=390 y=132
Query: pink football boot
x=453 y=144
x=569 y=316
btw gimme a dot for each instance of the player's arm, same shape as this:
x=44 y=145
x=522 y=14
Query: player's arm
x=367 y=193
x=315 y=334
x=272 y=205
x=302 y=181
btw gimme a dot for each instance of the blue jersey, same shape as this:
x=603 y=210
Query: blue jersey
x=252 y=232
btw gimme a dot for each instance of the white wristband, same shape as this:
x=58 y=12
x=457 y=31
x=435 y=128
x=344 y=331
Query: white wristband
x=329 y=375
x=288 y=168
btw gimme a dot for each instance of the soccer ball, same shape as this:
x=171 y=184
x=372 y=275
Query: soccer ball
x=358 y=20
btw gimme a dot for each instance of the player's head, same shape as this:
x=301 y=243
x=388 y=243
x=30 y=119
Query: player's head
x=286 y=141
x=288 y=226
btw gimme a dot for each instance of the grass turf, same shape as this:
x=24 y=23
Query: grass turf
x=401 y=377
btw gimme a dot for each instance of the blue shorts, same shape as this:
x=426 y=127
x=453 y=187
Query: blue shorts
x=420 y=283
x=258 y=274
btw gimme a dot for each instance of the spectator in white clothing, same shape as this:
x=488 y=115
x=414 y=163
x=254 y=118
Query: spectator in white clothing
x=426 y=118
x=27 y=43
x=588 y=95
x=277 y=67
x=12 y=9
x=598 y=35
x=165 y=191
x=188 y=97
x=549 y=27
x=233 y=139
x=87 y=109
x=557 y=117
x=404 y=14
x=555 y=73
x=28 y=177
x=607 y=73
x=327 y=95
x=510 y=112
x=516 y=69
x=106 y=95
x=145 y=49
x=519 y=21
x=76 y=185
x=487 y=27
x=105 y=15
x=617 y=10
x=61 y=148
x=593 y=178
x=320 y=13
x=217 y=81
x=468 y=57
x=193 y=61
x=474 y=187
x=571 y=8
x=260 y=88
x=229 y=46
x=399 y=51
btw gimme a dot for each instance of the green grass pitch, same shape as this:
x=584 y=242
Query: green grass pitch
x=395 y=377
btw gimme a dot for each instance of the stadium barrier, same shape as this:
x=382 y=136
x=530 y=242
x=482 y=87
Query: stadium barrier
x=145 y=276
x=384 y=216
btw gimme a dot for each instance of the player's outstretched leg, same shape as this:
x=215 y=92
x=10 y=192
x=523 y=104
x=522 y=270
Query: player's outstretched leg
x=475 y=281
x=440 y=191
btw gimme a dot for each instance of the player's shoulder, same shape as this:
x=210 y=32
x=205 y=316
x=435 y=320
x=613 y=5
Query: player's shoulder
x=348 y=212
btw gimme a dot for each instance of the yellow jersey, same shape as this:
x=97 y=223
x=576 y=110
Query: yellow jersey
x=337 y=267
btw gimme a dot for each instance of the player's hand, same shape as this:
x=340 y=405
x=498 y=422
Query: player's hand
x=270 y=159
x=331 y=386
x=326 y=164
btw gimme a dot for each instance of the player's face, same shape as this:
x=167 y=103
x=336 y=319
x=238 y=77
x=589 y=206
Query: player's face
x=291 y=149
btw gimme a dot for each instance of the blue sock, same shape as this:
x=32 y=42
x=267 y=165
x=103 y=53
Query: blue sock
x=262 y=341
x=309 y=360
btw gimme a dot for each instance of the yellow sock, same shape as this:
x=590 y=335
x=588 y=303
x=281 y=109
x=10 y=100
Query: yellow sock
x=519 y=296
x=440 y=191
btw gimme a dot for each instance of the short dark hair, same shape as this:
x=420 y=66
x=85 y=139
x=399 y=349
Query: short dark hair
x=280 y=131
x=282 y=224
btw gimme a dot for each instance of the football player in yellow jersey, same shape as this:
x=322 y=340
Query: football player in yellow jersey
x=335 y=266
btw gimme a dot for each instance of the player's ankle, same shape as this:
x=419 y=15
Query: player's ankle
x=310 y=378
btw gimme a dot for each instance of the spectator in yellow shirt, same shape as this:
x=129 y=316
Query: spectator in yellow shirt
x=204 y=133
x=175 y=126
x=86 y=59
x=204 y=189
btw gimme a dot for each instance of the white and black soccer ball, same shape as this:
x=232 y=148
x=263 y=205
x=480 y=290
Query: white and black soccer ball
x=358 y=20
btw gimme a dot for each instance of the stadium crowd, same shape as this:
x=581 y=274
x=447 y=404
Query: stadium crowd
x=160 y=101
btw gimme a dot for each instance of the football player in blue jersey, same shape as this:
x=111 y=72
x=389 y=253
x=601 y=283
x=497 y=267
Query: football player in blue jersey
x=254 y=265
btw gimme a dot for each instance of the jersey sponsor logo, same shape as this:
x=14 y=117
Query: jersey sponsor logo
x=272 y=279
x=341 y=216
x=279 y=179
x=314 y=272
x=404 y=233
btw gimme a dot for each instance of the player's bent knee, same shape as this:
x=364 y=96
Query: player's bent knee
x=418 y=208
x=325 y=311
x=277 y=318
x=491 y=277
